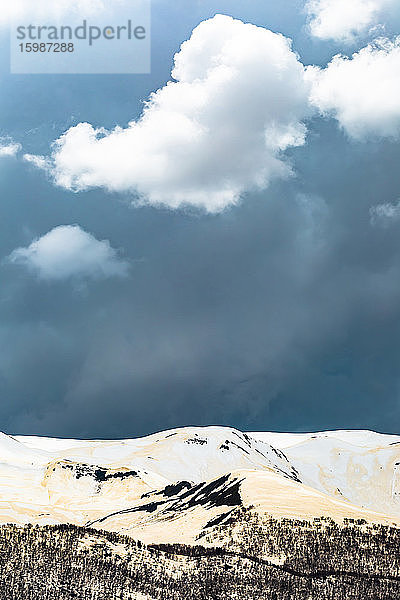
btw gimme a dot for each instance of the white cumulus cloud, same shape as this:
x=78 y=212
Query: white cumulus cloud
x=8 y=147
x=362 y=92
x=237 y=101
x=69 y=251
x=344 y=20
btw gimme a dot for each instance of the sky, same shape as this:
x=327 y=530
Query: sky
x=216 y=242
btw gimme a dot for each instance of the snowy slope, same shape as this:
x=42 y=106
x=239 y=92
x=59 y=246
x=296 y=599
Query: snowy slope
x=191 y=453
x=357 y=437
x=181 y=514
x=81 y=481
x=108 y=482
x=361 y=467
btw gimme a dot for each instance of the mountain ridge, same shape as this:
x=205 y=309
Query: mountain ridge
x=168 y=486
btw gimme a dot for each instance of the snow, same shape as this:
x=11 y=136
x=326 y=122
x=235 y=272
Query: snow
x=358 y=437
x=39 y=482
x=358 y=466
x=15 y=452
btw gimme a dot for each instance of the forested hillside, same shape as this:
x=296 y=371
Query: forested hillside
x=243 y=558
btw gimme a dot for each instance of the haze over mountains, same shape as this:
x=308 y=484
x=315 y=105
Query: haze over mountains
x=169 y=487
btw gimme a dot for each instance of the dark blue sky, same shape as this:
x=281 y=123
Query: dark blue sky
x=281 y=313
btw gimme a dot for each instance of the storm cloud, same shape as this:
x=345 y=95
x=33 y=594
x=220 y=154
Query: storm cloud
x=282 y=312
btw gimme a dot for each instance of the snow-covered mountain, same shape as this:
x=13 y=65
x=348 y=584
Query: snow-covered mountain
x=173 y=484
x=362 y=467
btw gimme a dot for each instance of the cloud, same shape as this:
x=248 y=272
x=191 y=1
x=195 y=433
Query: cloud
x=362 y=92
x=40 y=162
x=384 y=214
x=8 y=147
x=237 y=101
x=344 y=20
x=49 y=9
x=69 y=251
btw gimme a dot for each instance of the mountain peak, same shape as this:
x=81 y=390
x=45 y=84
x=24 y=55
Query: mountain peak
x=192 y=475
